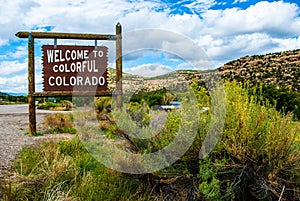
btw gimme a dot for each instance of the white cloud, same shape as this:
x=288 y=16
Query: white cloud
x=149 y=70
x=14 y=75
x=237 y=46
x=239 y=1
x=20 y=52
x=286 y=44
x=2 y=42
x=3 y=57
x=2 y=81
x=262 y=28
x=12 y=16
x=223 y=34
x=200 y=6
x=274 y=18
x=173 y=45
x=94 y=16
x=14 y=84
x=222 y=3
x=12 y=67
x=19 y=83
x=226 y=34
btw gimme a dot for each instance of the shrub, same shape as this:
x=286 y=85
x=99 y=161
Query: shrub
x=68 y=105
x=102 y=106
x=60 y=123
x=152 y=98
x=66 y=171
x=261 y=147
x=256 y=158
x=48 y=105
x=139 y=113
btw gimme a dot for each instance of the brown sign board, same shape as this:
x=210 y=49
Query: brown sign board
x=74 y=68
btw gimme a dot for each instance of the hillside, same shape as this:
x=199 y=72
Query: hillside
x=280 y=69
x=3 y=94
x=9 y=98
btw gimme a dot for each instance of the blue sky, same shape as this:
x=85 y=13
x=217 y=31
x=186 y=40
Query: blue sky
x=224 y=30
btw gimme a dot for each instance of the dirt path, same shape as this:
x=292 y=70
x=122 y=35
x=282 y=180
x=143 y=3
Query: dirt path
x=13 y=128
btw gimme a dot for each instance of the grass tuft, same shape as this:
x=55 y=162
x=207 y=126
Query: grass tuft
x=60 y=123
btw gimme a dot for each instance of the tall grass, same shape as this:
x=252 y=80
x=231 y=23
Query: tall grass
x=60 y=123
x=257 y=157
x=66 y=171
x=259 y=146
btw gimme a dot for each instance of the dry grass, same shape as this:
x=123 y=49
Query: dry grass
x=60 y=123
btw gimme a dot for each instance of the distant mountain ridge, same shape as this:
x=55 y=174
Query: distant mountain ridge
x=7 y=97
x=3 y=94
x=12 y=94
x=16 y=94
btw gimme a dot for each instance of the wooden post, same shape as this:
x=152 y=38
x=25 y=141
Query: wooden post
x=31 y=86
x=119 y=65
x=79 y=36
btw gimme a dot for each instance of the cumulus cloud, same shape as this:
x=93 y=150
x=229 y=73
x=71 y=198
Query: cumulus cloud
x=238 y=46
x=285 y=44
x=174 y=45
x=231 y=33
x=273 y=18
x=13 y=14
x=150 y=70
x=21 y=52
x=223 y=35
x=239 y=1
x=12 y=67
x=18 y=83
x=14 y=76
x=262 y=28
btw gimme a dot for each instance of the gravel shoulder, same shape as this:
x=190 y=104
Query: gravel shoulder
x=13 y=128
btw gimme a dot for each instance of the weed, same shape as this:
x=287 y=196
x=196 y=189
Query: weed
x=257 y=158
x=60 y=123
x=66 y=171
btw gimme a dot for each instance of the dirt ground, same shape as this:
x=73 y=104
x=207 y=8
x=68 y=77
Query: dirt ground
x=13 y=129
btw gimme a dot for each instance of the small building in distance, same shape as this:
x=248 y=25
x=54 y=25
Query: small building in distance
x=173 y=105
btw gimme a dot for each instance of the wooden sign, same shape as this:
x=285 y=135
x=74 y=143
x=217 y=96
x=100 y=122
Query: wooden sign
x=71 y=70
x=74 y=68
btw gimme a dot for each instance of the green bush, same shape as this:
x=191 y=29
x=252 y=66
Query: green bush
x=283 y=98
x=153 y=98
x=60 y=123
x=139 y=113
x=102 y=106
x=263 y=155
x=48 y=105
x=257 y=157
x=66 y=171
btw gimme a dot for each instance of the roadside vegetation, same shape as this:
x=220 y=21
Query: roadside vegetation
x=257 y=157
x=6 y=99
x=66 y=171
x=63 y=105
x=59 y=123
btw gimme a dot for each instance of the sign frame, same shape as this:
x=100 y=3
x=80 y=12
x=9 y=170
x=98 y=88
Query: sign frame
x=32 y=94
x=75 y=68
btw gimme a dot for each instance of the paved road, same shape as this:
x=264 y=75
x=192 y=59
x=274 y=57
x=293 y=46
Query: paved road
x=21 y=109
x=14 y=109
